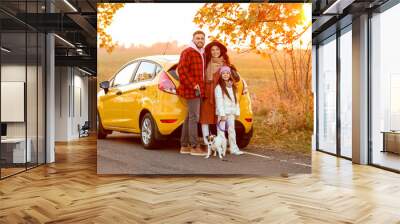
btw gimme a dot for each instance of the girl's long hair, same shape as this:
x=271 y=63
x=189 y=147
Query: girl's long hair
x=221 y=82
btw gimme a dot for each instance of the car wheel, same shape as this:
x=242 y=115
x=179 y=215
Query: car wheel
x=243 y=140
x=148 y=129
x=101 y=132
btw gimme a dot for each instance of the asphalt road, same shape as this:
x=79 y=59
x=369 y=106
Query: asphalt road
x=124 y=154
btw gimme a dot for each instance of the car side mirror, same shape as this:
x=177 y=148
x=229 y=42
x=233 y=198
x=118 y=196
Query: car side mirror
x=105 y=85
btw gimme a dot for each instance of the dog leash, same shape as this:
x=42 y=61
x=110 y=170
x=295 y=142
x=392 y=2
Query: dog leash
x=219 y=126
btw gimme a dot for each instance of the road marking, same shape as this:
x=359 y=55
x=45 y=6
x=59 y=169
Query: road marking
x=268 y=157
x=255 y=154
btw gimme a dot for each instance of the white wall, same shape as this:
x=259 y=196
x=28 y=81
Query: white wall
x=12 y=73
x=33 y=127
x=80 y=110
x=61 y=103
x=71 y=94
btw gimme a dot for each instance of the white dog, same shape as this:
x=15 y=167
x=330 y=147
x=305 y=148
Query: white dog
x=217 y=145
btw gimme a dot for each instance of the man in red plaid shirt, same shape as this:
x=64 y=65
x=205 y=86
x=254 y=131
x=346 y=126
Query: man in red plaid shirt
x=191 y=78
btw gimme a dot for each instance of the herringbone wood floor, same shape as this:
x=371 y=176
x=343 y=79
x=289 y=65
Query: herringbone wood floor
x=69 y=191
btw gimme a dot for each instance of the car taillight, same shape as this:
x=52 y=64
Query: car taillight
x=248 y=119
x=168 y=121
x=245 y=88
x=165 y=84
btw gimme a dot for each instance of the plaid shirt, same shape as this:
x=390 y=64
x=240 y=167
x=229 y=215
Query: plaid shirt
x=190 y=69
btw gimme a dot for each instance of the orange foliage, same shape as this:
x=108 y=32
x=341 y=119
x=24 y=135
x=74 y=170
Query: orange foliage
x=105 y=14
x=271 y=30
x=264 y=29
x=267 y=26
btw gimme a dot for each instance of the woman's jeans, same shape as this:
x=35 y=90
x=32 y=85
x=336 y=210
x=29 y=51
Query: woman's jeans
x=230 y=124
x=189 y=128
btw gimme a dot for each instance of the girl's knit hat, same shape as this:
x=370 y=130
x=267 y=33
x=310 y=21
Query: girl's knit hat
x=225 y=69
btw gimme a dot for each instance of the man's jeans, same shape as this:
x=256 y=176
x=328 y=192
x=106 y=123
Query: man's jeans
x=189 y=128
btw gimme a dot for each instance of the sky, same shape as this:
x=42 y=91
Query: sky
x=149 y=23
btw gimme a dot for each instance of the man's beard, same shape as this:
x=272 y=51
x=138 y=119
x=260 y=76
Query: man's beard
x=199 y=45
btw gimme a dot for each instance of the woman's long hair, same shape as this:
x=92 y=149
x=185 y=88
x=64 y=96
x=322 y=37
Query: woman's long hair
x=221 y=82
x=224 y=55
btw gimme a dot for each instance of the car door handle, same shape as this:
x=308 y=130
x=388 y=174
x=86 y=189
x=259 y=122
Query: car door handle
x=142 y=88
x=118 y=93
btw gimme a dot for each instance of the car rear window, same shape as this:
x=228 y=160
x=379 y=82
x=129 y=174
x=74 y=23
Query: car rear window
x=172 y=71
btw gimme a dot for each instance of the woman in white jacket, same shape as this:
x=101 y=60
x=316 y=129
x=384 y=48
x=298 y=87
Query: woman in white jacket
x=227 y=108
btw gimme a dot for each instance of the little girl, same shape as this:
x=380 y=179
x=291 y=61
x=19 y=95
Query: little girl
x=227 y=108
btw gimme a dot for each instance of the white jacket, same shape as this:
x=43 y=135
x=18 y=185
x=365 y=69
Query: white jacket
x=225 y=106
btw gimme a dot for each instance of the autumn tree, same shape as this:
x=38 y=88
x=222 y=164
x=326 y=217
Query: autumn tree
x=105 y=15
x=274 y=31
x=263 y=29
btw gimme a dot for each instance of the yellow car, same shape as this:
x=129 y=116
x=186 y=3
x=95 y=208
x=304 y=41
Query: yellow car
x=141 y=98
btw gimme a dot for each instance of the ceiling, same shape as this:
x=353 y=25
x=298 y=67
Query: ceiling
x=331 y=15
x=73 y=21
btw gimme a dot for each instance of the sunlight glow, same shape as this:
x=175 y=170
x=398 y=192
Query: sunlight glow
x=148 y=23
x=307 y=12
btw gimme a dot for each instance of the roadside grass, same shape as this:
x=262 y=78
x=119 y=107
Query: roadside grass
x=268 y=137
